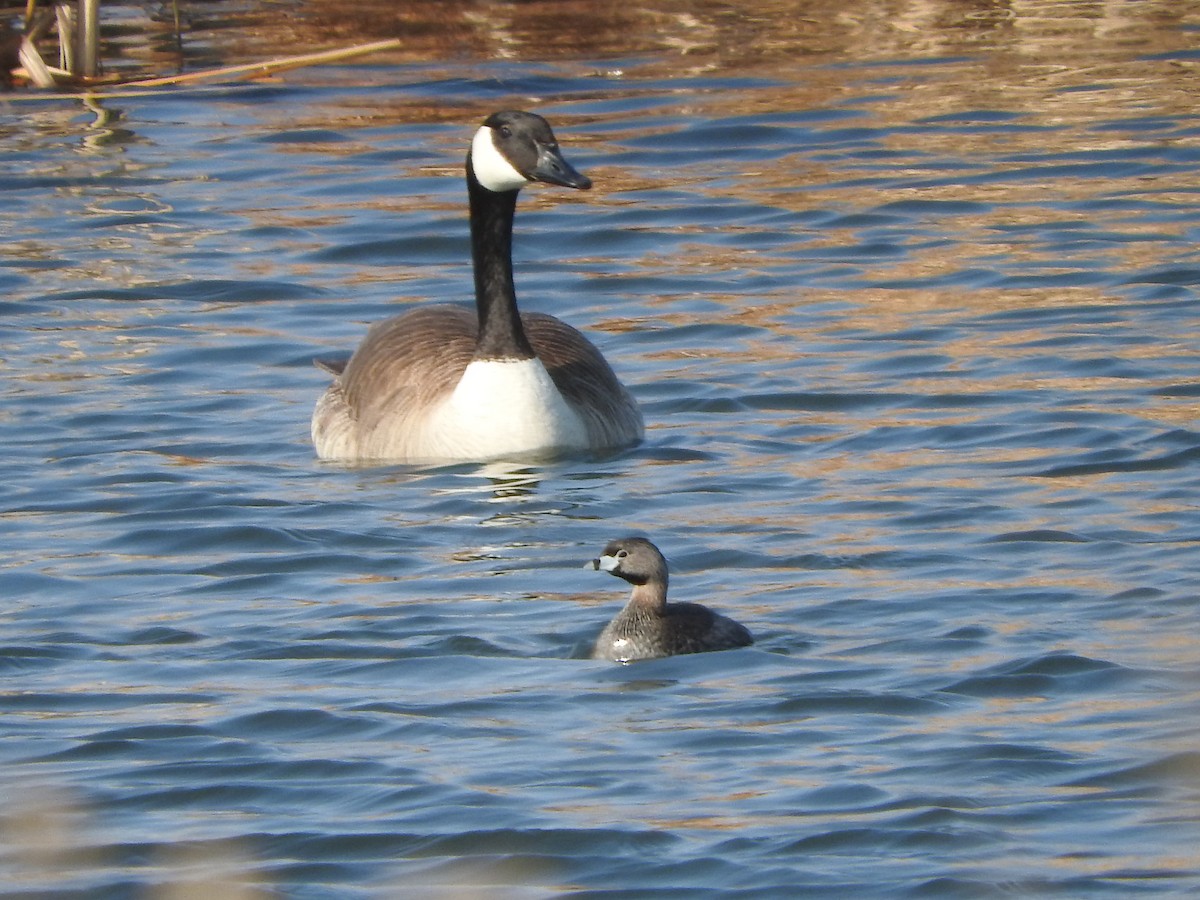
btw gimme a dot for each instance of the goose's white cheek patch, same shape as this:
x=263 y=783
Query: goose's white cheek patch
x=492 y=170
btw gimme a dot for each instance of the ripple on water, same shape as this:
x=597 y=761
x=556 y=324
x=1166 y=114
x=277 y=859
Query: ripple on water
x=1053 y=675
x=920 y=397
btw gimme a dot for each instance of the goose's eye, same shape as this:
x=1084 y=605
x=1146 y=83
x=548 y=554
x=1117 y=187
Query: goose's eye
x=621 y=554
x=505 y=131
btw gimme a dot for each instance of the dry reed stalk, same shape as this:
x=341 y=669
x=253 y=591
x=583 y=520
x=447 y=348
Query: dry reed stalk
x=35 y=69
x=263 y=69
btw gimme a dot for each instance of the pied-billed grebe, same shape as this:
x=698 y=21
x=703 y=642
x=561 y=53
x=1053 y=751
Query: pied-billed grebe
x=649 y=627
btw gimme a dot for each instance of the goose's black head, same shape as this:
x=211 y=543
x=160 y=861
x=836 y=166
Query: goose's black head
x=635 y=559
x=513 y=148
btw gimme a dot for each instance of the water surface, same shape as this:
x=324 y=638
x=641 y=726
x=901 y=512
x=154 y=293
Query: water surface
x=912 y=314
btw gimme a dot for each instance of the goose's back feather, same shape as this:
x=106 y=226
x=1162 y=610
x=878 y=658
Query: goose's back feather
x=404 y=365
x=586 y=381
x=408 y=364
x=334 y=367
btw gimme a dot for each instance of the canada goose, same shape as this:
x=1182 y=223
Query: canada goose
x=649 y=626
x=443 y=382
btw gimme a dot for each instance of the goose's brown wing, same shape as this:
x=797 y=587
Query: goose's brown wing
x=408 y=362
x=585 y=380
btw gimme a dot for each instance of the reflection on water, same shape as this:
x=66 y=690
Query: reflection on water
x=908 y=294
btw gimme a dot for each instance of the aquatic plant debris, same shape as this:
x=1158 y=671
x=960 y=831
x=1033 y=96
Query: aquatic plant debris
x=243 y=72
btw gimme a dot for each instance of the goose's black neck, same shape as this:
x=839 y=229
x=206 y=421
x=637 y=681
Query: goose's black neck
x=500 y=333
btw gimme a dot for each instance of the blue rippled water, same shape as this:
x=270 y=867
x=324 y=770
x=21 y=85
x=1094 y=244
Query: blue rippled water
x=916 y=340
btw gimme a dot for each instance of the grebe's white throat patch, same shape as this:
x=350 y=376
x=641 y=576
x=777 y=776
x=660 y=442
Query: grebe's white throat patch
x=492 y=170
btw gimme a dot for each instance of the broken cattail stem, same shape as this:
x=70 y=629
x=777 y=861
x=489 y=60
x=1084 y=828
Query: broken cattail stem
x=264 y=69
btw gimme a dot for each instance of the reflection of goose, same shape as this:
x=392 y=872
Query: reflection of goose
x=649 y=626
x=498 y=480
x=443 y=382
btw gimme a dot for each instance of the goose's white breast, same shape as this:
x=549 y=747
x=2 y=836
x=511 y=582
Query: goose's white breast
x=503 y=407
